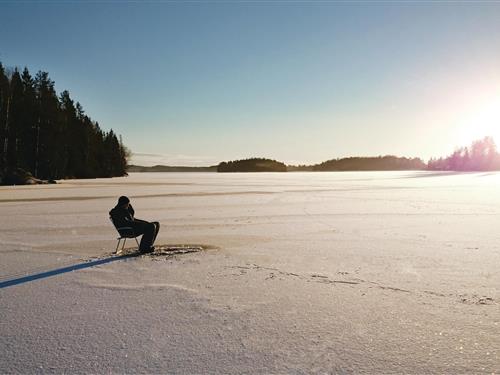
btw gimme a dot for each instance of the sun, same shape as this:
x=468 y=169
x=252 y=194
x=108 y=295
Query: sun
x=482 y=121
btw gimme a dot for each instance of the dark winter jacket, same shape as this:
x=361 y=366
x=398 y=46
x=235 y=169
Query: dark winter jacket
x=122 y=217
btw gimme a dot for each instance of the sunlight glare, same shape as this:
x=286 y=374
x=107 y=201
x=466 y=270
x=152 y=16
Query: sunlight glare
x=481 y=122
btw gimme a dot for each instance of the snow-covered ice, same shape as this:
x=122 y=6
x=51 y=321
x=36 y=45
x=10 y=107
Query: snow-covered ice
x=375 y=272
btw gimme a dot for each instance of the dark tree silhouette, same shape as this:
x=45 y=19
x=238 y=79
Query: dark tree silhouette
x=51 y=136
x=14 y=118
x=380 y=163
x=252 y=165
x=28 y=129
x=4 y=110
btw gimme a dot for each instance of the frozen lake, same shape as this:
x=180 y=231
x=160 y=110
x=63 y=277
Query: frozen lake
x=312 y=272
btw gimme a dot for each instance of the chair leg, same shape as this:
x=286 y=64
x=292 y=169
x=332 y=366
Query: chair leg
x=137 y=242
x=124 y=240
x=118 y=245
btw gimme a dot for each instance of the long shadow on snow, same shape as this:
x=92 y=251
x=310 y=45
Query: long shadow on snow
x=58 y=271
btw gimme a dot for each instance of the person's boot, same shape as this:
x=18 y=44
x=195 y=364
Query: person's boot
x=146 y=251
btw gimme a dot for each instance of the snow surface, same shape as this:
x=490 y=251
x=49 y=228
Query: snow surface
x=376 y=272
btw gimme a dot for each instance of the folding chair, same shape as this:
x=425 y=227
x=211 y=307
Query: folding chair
x=124 y=232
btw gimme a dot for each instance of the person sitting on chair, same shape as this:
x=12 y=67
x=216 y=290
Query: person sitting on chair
x=123 y=216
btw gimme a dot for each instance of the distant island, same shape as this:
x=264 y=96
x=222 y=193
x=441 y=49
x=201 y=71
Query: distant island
x=252 y=165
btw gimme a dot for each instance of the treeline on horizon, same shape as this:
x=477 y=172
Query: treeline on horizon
x=482 y=155
x=165 y=168
x=50 y=136
x=379 y=163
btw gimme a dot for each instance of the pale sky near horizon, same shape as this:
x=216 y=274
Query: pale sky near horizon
x=196 y=83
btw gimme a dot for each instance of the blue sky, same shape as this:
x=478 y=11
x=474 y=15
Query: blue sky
x=195 y=83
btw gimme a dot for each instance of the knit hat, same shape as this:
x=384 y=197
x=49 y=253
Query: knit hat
x=123 y=200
